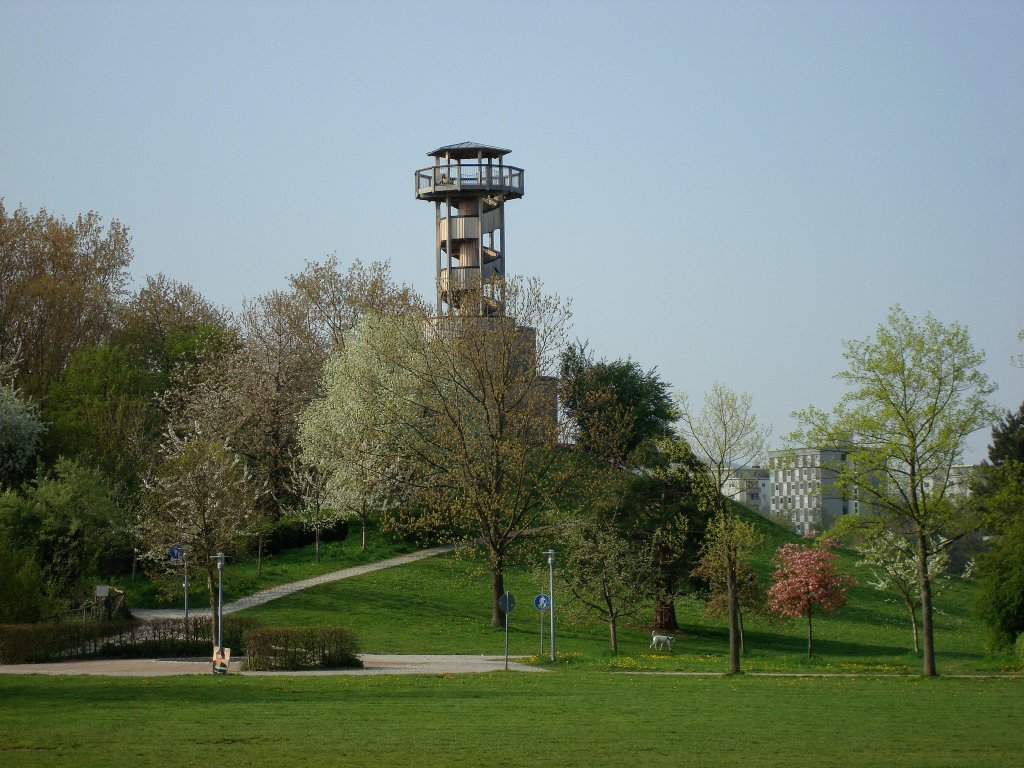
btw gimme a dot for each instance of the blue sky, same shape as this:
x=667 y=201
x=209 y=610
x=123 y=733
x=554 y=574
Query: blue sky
x=726 y=190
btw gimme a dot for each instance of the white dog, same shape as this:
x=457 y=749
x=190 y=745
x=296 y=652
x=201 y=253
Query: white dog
x=660 y=641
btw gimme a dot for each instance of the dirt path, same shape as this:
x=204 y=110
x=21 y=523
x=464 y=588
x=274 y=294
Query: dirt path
x=283 y=590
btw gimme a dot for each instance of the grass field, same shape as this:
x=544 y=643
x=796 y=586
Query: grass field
x=442 y=605
x=593 y=708
x=565 y=718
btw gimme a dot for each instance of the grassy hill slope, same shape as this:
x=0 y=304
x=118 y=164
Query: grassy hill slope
x=443 y=606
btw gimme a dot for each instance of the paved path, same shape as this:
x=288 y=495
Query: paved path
x=373 y=664
x=283 y=590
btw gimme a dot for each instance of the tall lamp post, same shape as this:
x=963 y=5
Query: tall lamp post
x=551 y=594
x=219 y=557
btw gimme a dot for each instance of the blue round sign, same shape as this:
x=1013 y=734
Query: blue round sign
x=176 y=552
x=542 y=602
x=506 y=602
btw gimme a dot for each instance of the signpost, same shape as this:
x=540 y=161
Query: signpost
x=506 y=602
x=541 y=602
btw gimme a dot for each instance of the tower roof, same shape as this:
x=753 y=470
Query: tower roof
x=468 y=149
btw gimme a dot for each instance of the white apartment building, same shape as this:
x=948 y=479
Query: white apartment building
x=801 y=488
x=750 y=487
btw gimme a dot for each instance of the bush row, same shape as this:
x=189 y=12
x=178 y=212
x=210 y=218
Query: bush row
x=289 y=533
x=308 y=648
x=60 y=641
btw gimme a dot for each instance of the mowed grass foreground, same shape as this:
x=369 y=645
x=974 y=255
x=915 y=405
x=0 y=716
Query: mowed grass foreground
x=508 y=719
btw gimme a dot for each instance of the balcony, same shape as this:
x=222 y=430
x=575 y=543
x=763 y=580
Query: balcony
x=438 y=182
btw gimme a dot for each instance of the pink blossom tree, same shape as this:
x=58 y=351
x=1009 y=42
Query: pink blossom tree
x=806 y=578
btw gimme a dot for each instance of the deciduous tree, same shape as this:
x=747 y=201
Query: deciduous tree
x=916 y=392
x=892 y=559
x=807 y=580
x=469 y=414
x=61 y=283
x=725 y=564
x=725 y=435
x=21 y=432
x=614 y=409
x=608 y=574
x=200 y=496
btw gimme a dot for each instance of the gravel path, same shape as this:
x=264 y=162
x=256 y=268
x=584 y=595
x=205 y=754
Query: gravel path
x=283 y=590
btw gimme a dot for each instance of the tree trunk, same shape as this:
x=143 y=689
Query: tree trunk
x=316 y=535
x=743 y=637
x=211 y=589
x=810 y=635
x=614 y=635
x=927 y=634
x=665 y=613
x=734 y=623
x=259 y=555
x=364 y=522
x=913 y=623
x=664 y=598
x=497 y=590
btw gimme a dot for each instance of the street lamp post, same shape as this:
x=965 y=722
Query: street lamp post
x=184 y=564
x=551 y=594
x=219 y=557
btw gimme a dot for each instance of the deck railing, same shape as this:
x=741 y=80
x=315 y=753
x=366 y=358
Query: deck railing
x=469 y=176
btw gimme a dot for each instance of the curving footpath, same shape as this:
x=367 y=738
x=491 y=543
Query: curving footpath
x=283 y=590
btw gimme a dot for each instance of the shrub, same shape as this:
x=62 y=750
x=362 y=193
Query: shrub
x=59 y=641
x=295 y=649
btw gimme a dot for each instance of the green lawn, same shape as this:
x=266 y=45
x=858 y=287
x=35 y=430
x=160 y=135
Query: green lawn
x=442 y=605
x=567 y=718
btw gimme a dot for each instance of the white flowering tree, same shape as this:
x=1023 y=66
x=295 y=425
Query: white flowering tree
x=892 y=559
x=313 y=503
x=200 y=496
x=20 y=433
x=352 y=436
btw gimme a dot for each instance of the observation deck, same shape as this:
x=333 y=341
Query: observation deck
x=469 y=179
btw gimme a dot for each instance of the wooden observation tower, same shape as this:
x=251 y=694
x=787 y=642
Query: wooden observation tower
x=469 y=184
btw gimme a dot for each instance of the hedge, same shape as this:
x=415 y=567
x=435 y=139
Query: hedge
x=275 y=648
x=61 y=641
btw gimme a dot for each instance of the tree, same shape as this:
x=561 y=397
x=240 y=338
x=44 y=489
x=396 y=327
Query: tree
x=61 y=285
x=200 y=496
x=725 y=435
x=892 y=558
x=1008 y=438
x=71 y=524
x=614 y=408
x=725 y=564
x=1000 y=574
x=468 y=412
x=312 y=502
x=335 y=301
x=997 y=492
x=353 y=435
x=806 y=579
x=663 y=508
x=620 y=414
x=23 y=597
x=917 y=392
x=21 y=432
x=103 y=411
x=608 y=574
